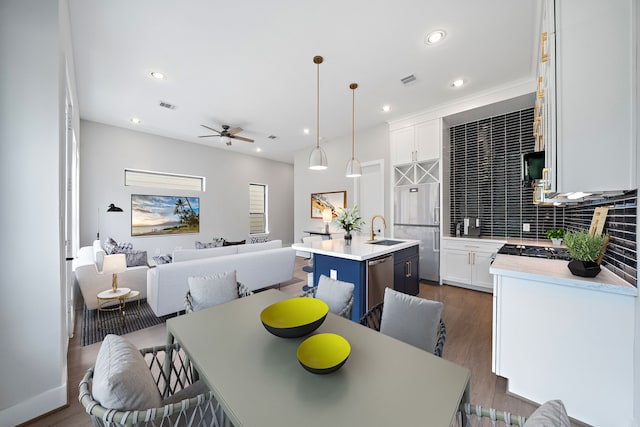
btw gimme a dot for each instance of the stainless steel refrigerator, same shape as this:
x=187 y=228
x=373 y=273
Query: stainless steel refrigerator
x=417 y=216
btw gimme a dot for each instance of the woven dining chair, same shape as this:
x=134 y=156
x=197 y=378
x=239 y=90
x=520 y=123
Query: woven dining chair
x=373 y=318
x=336 y=293
x=243 y=291
x=173 y=373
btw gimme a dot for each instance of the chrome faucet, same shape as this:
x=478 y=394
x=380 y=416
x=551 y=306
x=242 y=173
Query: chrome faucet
x=373 y=234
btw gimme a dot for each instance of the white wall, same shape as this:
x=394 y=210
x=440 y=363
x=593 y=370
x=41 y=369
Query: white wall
x=105 y=151
x=371 y=144
x=33 y=50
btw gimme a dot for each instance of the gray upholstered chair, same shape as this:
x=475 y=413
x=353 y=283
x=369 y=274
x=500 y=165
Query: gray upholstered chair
x=190 y=306
x=337 y=294
x=416 y=321
x=149 y=387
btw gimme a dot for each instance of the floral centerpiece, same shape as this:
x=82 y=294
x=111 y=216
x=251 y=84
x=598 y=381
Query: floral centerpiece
x=349 y=220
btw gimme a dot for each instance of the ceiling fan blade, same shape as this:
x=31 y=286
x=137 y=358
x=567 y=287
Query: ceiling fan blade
x=207 y=136
x=211 y=129
x=234 y=131
x=242 y=138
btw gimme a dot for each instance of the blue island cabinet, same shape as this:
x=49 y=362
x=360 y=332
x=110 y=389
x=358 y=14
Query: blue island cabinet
x=348 y=270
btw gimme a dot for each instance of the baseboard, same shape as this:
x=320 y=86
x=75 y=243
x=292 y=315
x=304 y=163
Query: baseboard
x=34 y=407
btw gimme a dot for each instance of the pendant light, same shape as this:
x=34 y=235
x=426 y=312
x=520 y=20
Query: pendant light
x=318 y=159
x=354 y=169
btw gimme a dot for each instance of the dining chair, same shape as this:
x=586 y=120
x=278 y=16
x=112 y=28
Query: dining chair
x=149 y=387
x=337 y=294
x=550 y=413
x=416 y=321
x=209 y=290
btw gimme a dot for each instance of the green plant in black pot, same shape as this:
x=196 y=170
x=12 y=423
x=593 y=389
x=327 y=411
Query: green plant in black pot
x=585 y=250
x=555 y=234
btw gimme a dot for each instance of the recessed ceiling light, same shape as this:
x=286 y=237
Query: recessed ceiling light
x=157 y=75
x=434 y=37
x=258 y=150
x=386 y=108
x=306 y=131
x=135 y=120
x=457 y=83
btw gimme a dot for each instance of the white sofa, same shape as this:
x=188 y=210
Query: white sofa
x=91 y=281
x=180 y=255
x=167 y=284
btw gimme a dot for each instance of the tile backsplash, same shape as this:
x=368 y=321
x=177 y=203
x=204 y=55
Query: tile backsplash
x=486 y=182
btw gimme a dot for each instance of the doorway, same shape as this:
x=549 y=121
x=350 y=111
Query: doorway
x=369 y=194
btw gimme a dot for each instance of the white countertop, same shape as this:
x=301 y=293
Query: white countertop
x=557 y=272
x=358 y=250
x=510 y=240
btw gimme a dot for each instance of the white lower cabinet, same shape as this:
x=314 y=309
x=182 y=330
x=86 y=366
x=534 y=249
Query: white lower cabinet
x=553 y=341
x=466 y=262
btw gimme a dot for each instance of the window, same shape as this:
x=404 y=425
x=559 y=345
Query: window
x=173 y=181
x=257 y=209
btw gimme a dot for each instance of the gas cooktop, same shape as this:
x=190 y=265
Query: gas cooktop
x=535 y=251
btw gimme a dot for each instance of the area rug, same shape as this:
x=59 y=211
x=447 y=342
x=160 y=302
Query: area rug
x=112 y=324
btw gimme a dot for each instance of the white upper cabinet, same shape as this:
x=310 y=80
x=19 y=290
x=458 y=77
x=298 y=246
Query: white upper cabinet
x=592 y=56
x=416 y=143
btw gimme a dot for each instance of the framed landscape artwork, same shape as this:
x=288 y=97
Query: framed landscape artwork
x=162 y=215
x=332 y=200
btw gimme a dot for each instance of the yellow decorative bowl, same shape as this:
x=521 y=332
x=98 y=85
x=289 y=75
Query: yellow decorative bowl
x=323 y=353
x=294 y=317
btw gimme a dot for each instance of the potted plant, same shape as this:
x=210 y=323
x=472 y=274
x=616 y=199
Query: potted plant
x=556 y=235
x=349 y=220
x=585 y=250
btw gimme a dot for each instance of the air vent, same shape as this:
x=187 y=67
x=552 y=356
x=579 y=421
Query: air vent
x=272 y=137
x=409 y=79
x=164 y=104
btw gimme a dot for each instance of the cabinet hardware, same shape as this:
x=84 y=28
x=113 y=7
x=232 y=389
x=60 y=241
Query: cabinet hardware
x=545 y=181
x=540 y=91
x=544 y=57
x=407 y=265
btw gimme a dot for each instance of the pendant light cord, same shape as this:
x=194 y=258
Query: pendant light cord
x=317 y=60
x=353 y=87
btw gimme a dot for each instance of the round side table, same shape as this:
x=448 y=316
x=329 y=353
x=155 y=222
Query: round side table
x=110 y=301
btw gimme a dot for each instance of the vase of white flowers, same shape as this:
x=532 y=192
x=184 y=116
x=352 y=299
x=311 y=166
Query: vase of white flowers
x=349 y=220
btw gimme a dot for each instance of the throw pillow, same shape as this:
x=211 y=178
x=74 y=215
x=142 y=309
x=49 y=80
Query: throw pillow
x=121 y=378
x=200 y=245
x=162 y=259
x=210 y=290
x=228 y=243
x=411 y=319
x=334 y=292
x=551 y=413
x=125 y=246
x=135 y=257
x=110 y=246
x=258 y=239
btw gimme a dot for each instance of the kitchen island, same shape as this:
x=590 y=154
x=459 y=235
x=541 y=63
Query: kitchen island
x=350 y=262
x=553 y=330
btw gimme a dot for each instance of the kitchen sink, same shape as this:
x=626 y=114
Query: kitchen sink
x=385 y=242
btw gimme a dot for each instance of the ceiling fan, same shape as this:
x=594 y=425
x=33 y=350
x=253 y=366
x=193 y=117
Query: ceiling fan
x=226 y=134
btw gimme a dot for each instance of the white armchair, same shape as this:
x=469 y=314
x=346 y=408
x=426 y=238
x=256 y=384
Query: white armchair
x=91 y=280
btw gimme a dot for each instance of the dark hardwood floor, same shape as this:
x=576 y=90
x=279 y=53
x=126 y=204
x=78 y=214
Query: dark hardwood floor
x=467 y=315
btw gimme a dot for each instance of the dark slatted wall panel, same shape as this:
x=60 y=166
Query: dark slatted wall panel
x=486 y=182
x=621 y=253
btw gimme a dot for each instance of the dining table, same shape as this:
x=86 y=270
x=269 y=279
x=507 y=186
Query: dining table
x=259 y=382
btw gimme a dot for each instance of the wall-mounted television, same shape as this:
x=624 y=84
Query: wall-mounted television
x=164 y=215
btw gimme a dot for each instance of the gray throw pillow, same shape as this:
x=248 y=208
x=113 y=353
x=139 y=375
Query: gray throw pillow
x=121 y=378
x=551 y=414
x=411 y=319
x=136 y=257
x=209 y=290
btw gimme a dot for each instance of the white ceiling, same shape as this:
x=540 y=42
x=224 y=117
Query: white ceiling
x=250 y=63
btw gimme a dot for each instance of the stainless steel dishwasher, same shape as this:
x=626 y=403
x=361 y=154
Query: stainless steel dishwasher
x=379 y=276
